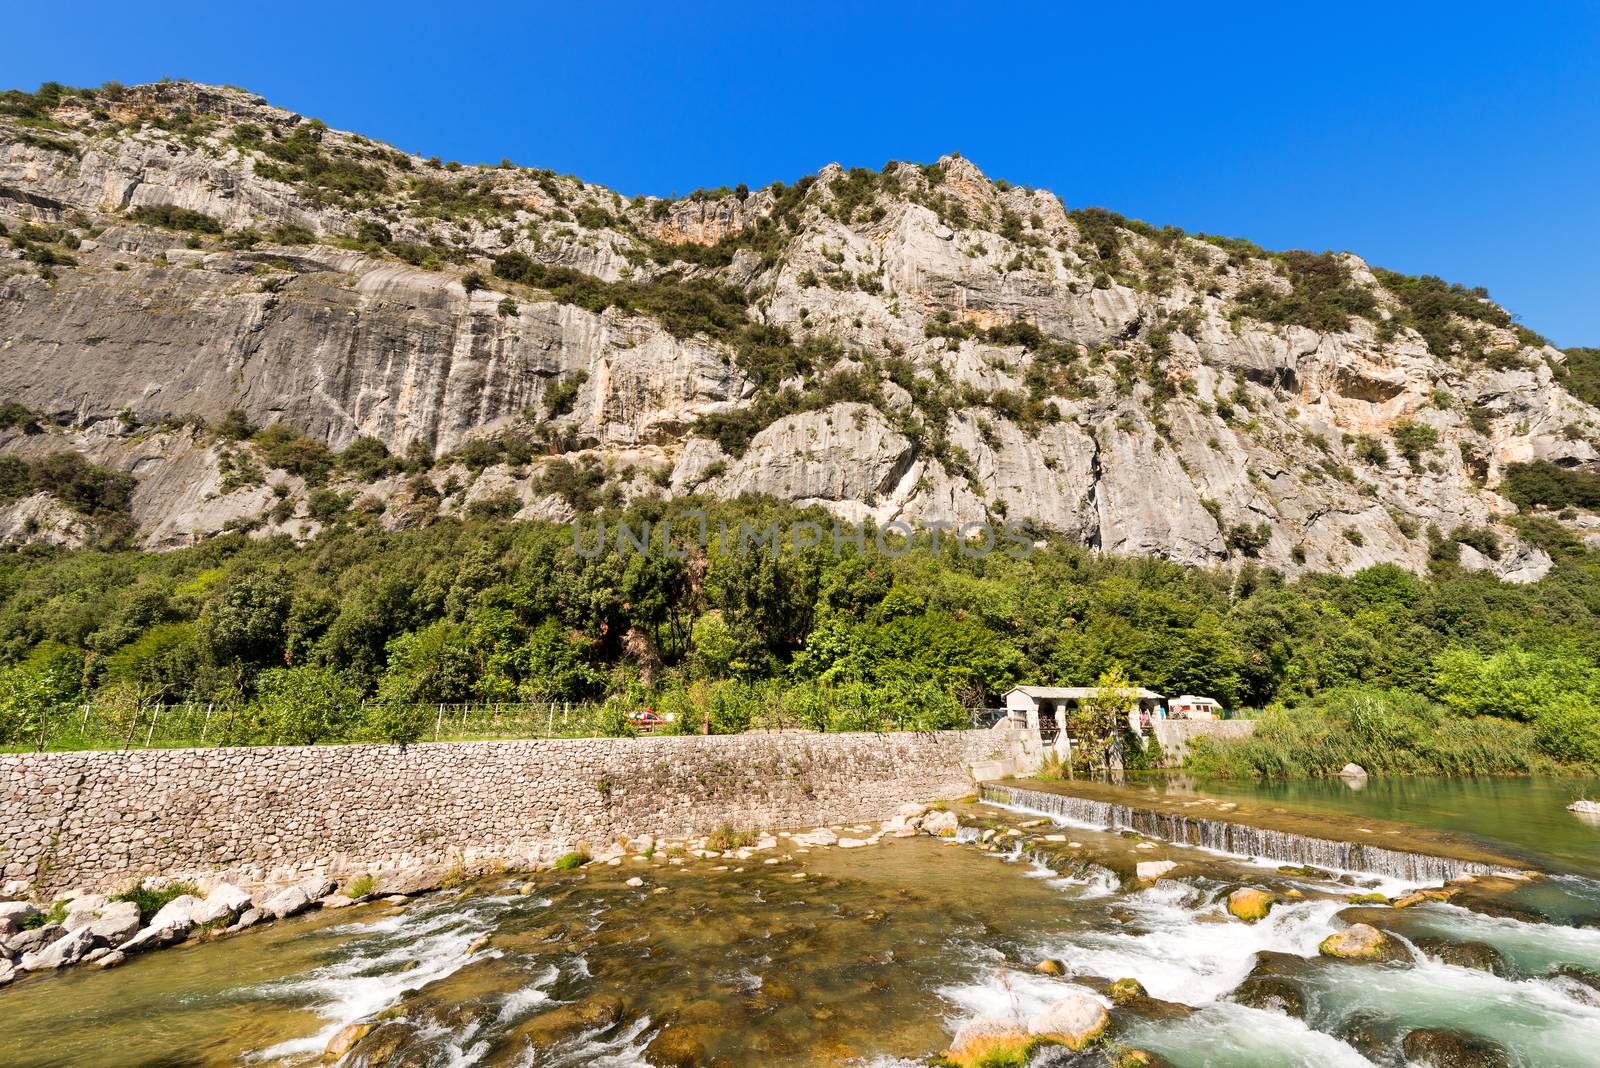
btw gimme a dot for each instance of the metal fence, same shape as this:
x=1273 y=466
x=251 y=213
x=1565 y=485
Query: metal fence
x=198 y=725
x=207 y=725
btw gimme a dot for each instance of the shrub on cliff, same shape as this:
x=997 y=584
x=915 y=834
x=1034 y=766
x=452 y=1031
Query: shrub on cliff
x=171 y=217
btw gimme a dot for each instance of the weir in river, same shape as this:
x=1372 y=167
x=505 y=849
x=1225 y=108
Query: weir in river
x=1240 y=839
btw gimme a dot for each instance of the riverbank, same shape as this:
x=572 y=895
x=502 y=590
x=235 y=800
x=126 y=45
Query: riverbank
x=279 y=815
x=87 y=928
x=886 y=946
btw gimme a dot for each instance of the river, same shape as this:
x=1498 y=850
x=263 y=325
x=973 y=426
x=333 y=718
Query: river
x=872 y=956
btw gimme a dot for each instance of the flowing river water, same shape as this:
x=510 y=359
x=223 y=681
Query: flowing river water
x=819 y=955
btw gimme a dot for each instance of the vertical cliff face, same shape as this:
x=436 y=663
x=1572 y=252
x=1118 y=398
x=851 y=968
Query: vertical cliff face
x=914 y=343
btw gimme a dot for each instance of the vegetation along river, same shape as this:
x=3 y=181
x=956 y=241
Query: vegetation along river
x=811 y=955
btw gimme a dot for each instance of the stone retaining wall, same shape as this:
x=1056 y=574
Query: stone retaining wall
x=1176 y=734
x=262 y=815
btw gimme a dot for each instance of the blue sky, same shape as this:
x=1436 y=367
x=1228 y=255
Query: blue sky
x=1454 y=139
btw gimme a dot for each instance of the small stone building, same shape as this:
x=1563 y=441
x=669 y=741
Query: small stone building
x=1042 y=710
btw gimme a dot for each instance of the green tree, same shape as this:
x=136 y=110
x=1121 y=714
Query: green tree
x=305 y=705
x=433 y=665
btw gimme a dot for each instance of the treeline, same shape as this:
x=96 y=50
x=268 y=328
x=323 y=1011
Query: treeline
x=489 y=610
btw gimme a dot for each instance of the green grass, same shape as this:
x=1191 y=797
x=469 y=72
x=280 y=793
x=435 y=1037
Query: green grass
x=570 y=861
x=1384 y=731
x=361 y=886
x=151 y=902
x=727 y=838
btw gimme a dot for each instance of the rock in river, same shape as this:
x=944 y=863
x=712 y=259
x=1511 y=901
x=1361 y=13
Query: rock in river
x=1362 y=941
x=1150 y=870
x=1438 y=1048
x=1073 y=1020
x=990 y=1040
x=1251 y=903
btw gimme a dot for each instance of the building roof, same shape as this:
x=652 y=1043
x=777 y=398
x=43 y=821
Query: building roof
x=1075 y=693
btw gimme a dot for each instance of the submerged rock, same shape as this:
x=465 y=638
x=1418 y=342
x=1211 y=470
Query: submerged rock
x=1479 y=955
x=1074 y=1020
x=1050 y=966
x=1251 y=903
x=1368 y=1035
x=1274 y=993
x=346 y=1037
x=676 y=1047
x=1362 y=941
x=547 y=1028
x=1439 y=1048
x=378 y=1048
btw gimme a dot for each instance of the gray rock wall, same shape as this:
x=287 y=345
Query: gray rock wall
x=259 y=815
x=1176 y=734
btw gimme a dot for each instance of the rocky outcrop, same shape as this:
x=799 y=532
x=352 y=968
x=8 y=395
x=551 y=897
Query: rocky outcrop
x=948 y=349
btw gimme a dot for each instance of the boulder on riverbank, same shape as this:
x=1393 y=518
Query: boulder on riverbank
x=286 y=902
x=1148 y=871
x=69 y=948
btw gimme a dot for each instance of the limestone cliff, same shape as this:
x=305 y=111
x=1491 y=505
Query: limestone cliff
x=916 y=343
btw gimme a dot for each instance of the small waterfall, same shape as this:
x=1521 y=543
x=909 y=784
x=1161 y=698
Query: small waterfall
x=1238 y=838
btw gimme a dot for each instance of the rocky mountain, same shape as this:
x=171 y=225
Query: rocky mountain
x=188 y=264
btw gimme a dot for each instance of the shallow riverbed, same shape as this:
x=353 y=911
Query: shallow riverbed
x=797 y=956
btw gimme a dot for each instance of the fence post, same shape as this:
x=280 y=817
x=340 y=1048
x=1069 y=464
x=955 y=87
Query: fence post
x=85 y=726
x=550 y=729
x=44 y=725
x=438 y=723
x=207 y=724
x=151 y=733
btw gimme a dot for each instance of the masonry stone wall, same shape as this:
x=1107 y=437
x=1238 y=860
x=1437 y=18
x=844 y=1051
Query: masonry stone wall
x=262 y=815
x=1176 y=734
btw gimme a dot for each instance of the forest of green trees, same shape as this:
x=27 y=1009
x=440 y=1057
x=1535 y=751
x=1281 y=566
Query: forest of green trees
x=343 y=637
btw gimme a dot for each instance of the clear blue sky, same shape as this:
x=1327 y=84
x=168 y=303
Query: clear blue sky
x=1457 y=139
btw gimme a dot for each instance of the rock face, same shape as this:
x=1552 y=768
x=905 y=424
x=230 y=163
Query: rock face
x=918 y=345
